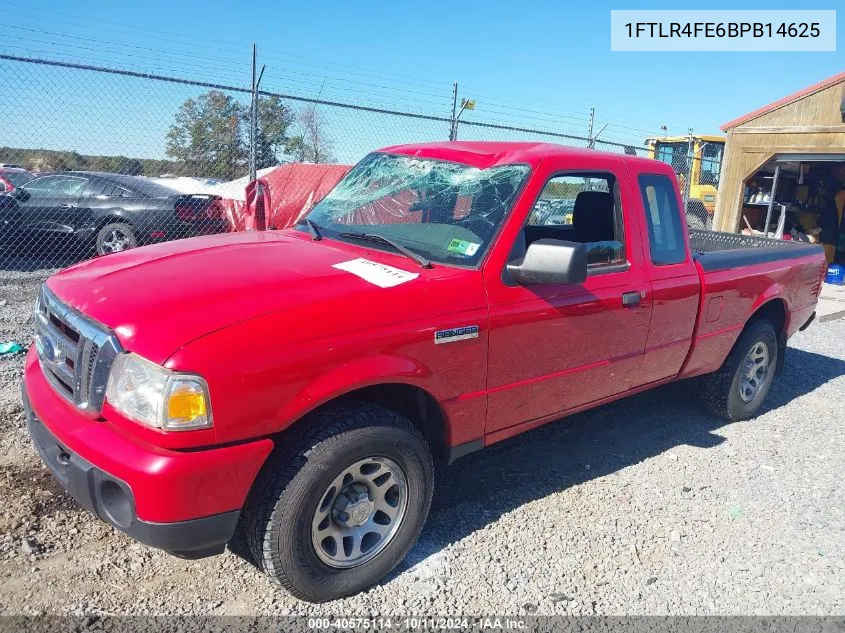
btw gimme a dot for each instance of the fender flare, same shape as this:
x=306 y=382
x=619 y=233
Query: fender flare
x=344 y=379
x=115 y=214
x=772 y=293
x=775 y=293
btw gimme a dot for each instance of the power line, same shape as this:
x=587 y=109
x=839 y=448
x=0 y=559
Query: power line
x=193 y=41
x=216 y=86
x=367 y=95
x=522 y=99
x=76 y=47
x=227 y=62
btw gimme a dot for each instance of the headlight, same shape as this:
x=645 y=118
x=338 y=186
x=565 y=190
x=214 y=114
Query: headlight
x=155 y=396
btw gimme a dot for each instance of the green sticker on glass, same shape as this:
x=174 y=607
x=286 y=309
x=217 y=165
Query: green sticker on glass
x=463 y=247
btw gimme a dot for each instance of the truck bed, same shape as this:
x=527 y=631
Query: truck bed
x=714 y=250
x=738 y=275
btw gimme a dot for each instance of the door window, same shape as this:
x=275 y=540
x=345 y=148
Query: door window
x=674 y=154
x=665 y=235
x=56 y=186
x=711 y=163
x=109 y=190
x=120 y=192
x=581 y=208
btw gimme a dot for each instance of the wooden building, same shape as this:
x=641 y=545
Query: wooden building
x=775 y=159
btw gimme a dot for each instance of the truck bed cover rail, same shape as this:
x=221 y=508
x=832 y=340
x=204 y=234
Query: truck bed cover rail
x=711 y=241
x=714 y=250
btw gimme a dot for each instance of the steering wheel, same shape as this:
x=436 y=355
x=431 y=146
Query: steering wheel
x=478 y=225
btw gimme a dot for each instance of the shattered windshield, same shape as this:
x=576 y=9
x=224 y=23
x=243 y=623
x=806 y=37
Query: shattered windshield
x=447 y=212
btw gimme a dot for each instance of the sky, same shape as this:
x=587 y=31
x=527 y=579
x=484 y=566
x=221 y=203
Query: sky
x=540 y=65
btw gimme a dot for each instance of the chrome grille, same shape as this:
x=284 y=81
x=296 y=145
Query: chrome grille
x=75 y=352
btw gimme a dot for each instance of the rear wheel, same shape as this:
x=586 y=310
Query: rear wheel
x=739 y=388
x=339 y=506
x=115 y=237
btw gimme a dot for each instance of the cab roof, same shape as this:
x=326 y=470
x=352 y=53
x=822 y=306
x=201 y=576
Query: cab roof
x=484 y=154
x=707 y=138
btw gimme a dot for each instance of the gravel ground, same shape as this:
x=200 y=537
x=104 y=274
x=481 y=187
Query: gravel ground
x=646 y=506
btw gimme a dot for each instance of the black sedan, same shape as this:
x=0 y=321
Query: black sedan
x=105 y=212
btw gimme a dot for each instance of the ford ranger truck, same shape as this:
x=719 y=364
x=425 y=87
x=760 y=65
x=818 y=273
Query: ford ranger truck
x=293 y=390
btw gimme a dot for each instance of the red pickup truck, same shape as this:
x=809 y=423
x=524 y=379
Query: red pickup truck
x=295 y=389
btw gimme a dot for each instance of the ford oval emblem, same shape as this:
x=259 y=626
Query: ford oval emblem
x=46 y=349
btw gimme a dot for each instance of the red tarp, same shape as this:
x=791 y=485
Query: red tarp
x=285 y=195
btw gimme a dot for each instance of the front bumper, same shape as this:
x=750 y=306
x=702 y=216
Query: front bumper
x=112 y=500
x=184 y=502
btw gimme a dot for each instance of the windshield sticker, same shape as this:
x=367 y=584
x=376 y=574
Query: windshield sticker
x=463 y=247
x=378 y=274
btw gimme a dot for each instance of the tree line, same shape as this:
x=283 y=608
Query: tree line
x=211 y=135
x=47 y=160
x=209 y=138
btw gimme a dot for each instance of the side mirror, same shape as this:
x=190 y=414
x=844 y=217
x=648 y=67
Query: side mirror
x=548 y=261
x=20 y=194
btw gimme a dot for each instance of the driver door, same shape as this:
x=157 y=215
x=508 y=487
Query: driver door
x=556 y=347
x=49 y=204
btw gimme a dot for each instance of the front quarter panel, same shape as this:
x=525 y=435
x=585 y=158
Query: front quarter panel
x=266 y=373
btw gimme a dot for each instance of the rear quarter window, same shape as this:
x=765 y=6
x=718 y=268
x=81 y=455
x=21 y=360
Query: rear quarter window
x=665 y=232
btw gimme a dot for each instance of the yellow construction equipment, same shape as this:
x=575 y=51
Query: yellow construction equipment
x=697 y=161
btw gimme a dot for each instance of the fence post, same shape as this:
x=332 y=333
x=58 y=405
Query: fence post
x=688 y=178
x=252 y=127
x=453 y=130
x=253 y=118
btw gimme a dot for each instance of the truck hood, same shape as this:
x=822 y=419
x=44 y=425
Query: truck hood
x=160 y=298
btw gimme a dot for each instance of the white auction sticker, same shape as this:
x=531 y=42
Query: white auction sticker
x=380 y=275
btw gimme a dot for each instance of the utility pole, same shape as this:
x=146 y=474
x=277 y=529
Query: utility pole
x=590 y=141
x=453 y=132
x=466 y=104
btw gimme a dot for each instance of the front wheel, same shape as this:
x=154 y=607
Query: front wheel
x=738 y=389
x=339 y=509
x=115 y=237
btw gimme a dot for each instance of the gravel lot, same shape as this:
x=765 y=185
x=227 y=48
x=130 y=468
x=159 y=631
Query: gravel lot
x=646 y=506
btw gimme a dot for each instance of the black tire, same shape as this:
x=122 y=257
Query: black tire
x=721 y=390
x=112 y=230
x=276 y=519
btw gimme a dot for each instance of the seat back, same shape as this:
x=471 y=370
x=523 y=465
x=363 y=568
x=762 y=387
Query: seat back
x=593 y=218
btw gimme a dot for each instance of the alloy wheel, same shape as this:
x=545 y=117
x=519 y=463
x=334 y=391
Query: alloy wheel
x=755 y=368
x=360 y=512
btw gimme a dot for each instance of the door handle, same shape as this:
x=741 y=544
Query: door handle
x=631 y=299
x=67 y=206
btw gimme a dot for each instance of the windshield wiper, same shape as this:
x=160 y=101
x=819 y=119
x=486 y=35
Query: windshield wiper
x=313 y=229
x=375 y=237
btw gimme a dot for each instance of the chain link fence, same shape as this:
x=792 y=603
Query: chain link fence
x=95 y=160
